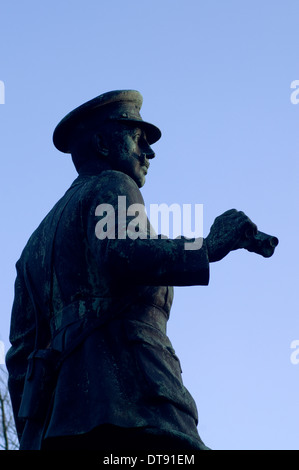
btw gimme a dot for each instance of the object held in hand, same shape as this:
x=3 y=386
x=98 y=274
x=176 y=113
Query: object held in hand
x=261 y=243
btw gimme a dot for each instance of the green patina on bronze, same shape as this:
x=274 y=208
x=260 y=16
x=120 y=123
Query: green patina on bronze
x=91 y=314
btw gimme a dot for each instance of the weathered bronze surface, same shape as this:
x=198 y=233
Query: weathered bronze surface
x=91 y=366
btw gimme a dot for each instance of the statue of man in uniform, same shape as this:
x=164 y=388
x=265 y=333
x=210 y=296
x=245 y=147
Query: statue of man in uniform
x=90 y=364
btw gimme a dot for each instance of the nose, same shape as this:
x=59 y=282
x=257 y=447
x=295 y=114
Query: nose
x=146 y=148
x=149 y=153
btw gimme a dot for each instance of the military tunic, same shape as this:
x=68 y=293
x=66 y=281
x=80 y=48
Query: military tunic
x=106 y=302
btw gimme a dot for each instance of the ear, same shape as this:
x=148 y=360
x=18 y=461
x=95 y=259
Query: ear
x=100 y=144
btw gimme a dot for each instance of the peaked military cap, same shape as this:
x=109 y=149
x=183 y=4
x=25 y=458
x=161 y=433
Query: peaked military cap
x=119 y=105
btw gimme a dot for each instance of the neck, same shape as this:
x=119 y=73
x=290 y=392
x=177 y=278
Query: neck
x=93 y=166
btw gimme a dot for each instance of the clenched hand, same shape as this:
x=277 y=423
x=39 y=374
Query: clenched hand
x=230 y=231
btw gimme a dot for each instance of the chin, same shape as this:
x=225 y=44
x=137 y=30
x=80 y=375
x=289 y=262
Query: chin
x=140 y=183
x=139 y=180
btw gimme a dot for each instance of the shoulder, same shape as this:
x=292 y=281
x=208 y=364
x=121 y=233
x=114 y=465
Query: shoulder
x=108 y=186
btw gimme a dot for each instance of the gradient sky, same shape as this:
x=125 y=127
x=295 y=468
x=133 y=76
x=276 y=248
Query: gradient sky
x=216 y=78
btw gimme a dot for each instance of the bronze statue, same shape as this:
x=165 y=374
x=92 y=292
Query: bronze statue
x=91 y=366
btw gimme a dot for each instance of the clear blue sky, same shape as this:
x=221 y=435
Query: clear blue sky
x=215 y=77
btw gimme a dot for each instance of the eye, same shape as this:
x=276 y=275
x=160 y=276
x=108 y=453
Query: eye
x=136 y=136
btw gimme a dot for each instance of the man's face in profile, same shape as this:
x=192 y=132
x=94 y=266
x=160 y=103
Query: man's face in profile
x=130 y=152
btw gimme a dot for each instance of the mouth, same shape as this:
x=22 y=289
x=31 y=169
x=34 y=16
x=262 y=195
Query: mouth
x=144 y=162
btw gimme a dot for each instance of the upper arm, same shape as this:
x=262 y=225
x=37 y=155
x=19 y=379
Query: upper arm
x=123 y=254
x=111 y=204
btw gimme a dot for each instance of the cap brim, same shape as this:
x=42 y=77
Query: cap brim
x=61 y=135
